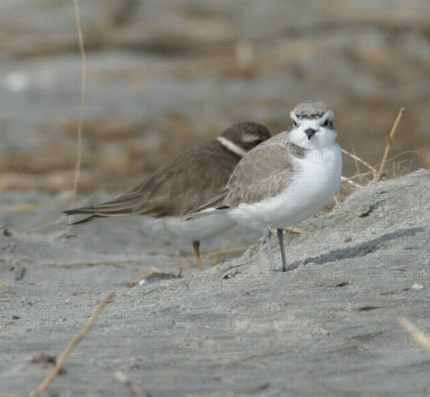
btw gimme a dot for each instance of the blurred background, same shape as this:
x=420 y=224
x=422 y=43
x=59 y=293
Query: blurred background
x=166 y=74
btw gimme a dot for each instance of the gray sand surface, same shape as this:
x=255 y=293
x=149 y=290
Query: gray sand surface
x=328 y=328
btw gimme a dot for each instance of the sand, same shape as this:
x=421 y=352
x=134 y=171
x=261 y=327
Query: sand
x=327 y=327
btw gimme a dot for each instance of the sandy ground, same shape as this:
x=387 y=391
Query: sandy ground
x=327 y=328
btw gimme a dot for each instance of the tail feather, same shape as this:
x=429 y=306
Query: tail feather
x=110 y=208
x=84 y=220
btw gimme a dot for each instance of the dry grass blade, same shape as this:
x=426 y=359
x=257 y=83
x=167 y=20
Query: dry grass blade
x=232 y=251
x=353 y=156
x=417 y=335
x=377 y=174
x=116 y=263
x=45 y=225
x=72 y=344
x=352 y=183
x=81 y=116
x=390 y=140
x=82 y=104
x=22 y=207
x=132 y=386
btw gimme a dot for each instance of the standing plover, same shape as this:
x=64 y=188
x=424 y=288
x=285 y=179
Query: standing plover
x=286 y=179
x=186 y=182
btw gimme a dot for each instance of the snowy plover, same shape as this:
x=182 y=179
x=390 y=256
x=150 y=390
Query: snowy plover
x=286 y=179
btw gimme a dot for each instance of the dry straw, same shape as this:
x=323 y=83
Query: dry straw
x=416 y=334
x=70 y=347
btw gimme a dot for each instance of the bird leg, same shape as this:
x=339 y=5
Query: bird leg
x=280 y=233
x=267 y=235
x=196 y=248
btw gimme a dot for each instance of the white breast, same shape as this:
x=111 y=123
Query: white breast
x=316 y=180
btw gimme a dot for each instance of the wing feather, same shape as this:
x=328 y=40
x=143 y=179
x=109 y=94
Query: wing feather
x=176 y=188
x=257 y=176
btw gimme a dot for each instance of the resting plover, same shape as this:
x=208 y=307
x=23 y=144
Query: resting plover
x=186 y=182
x=286 y=179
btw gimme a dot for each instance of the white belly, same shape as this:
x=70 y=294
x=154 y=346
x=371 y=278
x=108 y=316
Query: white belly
x=316 y=180
x=196 y=229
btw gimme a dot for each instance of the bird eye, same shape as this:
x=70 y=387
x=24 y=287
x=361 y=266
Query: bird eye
x=328 y=123
x=294 y=123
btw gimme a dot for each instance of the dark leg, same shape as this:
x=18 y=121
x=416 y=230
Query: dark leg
x=280 y=233
x=196 y=248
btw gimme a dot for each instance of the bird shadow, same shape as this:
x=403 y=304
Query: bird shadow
x=358 y=250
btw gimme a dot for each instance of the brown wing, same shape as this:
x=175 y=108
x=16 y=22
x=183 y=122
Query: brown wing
x=188 y=181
